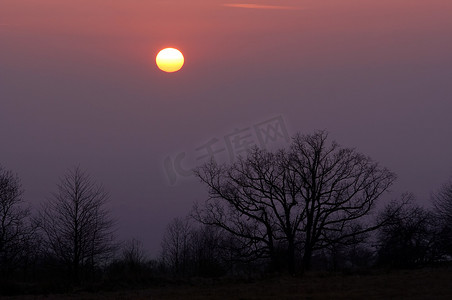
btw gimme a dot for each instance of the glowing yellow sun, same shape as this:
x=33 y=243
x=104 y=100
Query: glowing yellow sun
x=170 y=60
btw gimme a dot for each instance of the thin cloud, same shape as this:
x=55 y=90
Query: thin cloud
x=258 y=6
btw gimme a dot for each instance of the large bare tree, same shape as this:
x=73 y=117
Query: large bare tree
x=309 y=197
x=254 y=200
x=15 y=230
x=338 y=187
x=77 y=226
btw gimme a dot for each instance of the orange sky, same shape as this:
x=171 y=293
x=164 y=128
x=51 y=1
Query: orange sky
x=207 y=30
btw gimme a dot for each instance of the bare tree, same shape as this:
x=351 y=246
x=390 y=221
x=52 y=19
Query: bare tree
x=442 y=200
x=254 y=200
x=189 y=249
x=209 y=256
x=409 y=237
x=133 y=252
x=311 y=196
x=176 y=245
x=78 y=228
x=15 y=230
x=338 y=187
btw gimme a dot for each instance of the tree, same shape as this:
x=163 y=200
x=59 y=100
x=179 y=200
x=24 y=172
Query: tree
x=132 y=266
x=188 y=249
x=176 y=245
x=77 y=227
x=254 y=200
x=133 y=253
x=15 y=230
x=442 y=201
x=311 y=196
x=208 y=254
x=338 y=187
x=409 y=237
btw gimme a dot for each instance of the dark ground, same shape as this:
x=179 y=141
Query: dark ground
x=427 y=283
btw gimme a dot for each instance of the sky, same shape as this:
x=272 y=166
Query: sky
x=79 y=86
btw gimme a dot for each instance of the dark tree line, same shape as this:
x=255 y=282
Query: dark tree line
x=311 y=205
x=190 y=249
x=70 y=236
x=414 y=235
x=410 y=238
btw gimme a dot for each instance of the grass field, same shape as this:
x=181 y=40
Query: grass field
x=429 y=283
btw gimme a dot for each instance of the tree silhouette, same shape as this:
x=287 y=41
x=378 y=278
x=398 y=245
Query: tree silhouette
x=338 y=187
x=309 y=197
x=254 y=200
x=409 y=237
x=133 y=252
x=15 y=231
x=442 y=200
x=176 y=245
x=78 y=228
x=190 y=250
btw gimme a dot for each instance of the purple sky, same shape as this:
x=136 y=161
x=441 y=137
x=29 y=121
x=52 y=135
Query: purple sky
x=78 y=85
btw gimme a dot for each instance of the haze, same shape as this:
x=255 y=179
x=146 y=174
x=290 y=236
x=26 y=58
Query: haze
x=79 y=85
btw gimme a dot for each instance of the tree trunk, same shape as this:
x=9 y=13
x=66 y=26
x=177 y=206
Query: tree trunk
x=75 y=272
x=307 y=259
x=291 y=258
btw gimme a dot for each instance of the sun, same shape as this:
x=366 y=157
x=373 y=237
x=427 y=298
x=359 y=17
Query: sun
x=169 y=60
